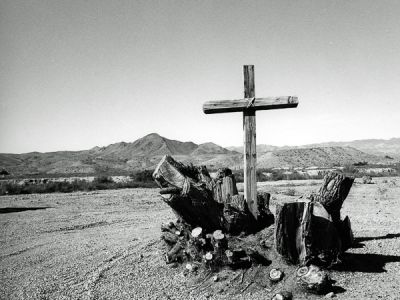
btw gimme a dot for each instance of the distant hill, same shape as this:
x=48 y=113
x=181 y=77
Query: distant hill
x=146 y=152
x=316 y=156
x=211 y=148
x=260 y=148
x=389 y=147
x=378 y=147
x=117 y=158
x=149 y=145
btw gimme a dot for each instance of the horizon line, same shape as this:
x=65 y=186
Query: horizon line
x=226 y=147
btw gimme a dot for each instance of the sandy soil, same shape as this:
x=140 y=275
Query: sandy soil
x=105 y=245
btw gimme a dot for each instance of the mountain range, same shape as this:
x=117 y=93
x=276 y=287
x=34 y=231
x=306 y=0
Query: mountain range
x=146 y=152
x=378 y=147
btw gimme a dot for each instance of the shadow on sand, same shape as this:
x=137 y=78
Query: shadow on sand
x=367 y=262
x=382 y=237
x=358 y=241
x=7 y=210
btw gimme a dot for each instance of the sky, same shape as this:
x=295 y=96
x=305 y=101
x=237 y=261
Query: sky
x=78 y=74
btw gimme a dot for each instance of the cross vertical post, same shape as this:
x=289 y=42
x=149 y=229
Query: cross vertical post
x=248 y=107
x=250 y=154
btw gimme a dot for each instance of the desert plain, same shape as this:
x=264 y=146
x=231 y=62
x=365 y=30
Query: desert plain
x=106 y=245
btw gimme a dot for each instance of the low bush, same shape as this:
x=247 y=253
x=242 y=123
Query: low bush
x=142 y=176
x=290 y=192
x=99 y=183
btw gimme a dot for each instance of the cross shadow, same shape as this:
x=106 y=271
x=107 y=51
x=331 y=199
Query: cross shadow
x=367 y=263
x=358 y=240
x=335 y=288
x=382 y=237
x=7 y=210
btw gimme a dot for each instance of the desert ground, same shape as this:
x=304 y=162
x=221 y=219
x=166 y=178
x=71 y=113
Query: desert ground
x=106 y=245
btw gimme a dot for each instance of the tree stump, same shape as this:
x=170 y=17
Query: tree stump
x=331 y=195
x=275 y=275
x=333 y=192
x=284 y=295
x=174 y=254
x=211 y=204
x=312 y=232
x=313 y=279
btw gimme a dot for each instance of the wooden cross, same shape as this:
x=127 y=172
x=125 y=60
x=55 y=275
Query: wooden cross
x=248 y=106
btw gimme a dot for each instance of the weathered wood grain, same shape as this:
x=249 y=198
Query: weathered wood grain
x=237 y=105
x=304 y=233
x=333 y=192
x=248 y=106
x=228 y=188
x=194 y=203
x=198 y=204
x=250 y=154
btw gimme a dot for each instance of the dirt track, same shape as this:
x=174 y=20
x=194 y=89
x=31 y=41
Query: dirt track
x=105 y=245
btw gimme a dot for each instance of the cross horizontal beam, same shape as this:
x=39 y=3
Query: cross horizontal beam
x=225 y=106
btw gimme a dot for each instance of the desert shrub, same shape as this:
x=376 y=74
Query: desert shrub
x=366 y=179
x=349 y=169
x=276 y=175
x=239 y=177
x=4 y=172
x=382 y=190
x=297 y=176
x=134 y=184
x=314 y=183
x=103 y=183
x=103 y=179
x=260 y=176
x=99 y=183
x=290 y=192
x=142 y=176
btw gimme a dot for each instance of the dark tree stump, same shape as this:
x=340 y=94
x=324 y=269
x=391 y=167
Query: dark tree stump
x=174 y=254
x=333 y=192
x=305 y=233
x=211 y=204
x=288 y=230
x=312 y=232
x=194 y=204
x=224 y=186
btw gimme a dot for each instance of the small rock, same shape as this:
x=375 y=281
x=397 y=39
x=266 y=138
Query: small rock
x=330 y=295
x=208 y=256
x=215 y=278
x=302 y=271
x=284 y=295
x=367 y=179
x=190 y=268
x=173 y=265
x=275 y=275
